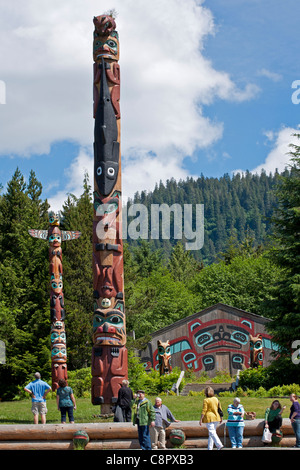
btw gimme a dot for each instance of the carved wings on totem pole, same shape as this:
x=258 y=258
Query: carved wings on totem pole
x=55 y=237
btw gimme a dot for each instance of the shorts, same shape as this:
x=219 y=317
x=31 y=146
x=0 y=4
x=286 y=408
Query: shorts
x=39 y=407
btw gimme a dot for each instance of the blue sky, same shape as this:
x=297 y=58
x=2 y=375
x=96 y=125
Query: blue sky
x=206 y=88
x=256 y=41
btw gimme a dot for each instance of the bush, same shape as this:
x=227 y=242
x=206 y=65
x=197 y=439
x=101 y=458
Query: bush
x=240 y=392
x=280 y=372
x=222 y=377
x=254 y=378
x=261 y=392
x=80 y=382
x=154 y=383
x=193 y=393
x=191 y=377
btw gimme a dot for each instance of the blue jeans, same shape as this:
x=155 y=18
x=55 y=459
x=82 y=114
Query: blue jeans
x=144 y=437
x=64 y=410
x=296 y=428
x=236 y=435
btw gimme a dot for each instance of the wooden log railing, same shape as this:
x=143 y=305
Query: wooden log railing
x=112 y=436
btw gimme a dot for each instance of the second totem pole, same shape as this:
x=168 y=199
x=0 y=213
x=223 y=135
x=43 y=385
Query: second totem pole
x=109 y=354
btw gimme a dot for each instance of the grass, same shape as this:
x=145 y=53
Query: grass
x=183 y=408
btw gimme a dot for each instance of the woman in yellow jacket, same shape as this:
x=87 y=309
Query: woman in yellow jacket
x=211 y=417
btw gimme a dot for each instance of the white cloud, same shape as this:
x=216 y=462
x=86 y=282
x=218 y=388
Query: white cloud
x=279 y=157
x=46 y=50
x=275 y=77
x=82 y=164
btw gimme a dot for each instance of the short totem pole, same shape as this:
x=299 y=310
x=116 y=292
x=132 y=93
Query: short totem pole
x=109 y=354
x=164 y=357
x=57 y=309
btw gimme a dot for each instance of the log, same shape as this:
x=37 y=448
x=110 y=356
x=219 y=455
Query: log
x=116 y=444
x=252 y=428
x=124 y=435
x=68 y=445
x=250 y=442
x=113 y=445
x=65 y=431
x=118 y=430
x=36 y=445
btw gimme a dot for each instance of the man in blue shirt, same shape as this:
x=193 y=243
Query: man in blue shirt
x=38 y=390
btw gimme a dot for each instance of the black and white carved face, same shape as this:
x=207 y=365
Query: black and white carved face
x=106 y=174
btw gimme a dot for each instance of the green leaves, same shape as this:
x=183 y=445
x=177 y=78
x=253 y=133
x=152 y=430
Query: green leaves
x=286 y=254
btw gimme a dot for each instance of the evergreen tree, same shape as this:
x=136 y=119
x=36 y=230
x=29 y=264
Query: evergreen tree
x=24 y=280
x=286 y=222
x=182 y=265
x=239 y=206
x=145 y=259
x=77 y=214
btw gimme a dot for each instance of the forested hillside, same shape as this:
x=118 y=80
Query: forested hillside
x=163 y=281
x=234 y=207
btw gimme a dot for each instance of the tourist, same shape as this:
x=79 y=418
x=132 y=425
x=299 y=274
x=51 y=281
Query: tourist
x=38 y=390
x=65 y=401
x=235 y=423
x=273 y=418
x=211 y=417
x=163 y=419
x=125 y=397
x=144 y=417
x=295 y=417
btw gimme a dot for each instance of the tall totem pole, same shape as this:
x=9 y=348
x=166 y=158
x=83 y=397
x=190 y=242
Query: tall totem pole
x=57 y=309
x=109 y=354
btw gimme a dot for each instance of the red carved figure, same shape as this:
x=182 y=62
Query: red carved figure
x=104 y=24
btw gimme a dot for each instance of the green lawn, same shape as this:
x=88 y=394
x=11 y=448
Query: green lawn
x=183 y=408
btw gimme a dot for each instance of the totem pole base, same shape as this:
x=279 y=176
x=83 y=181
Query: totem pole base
x=106 y=410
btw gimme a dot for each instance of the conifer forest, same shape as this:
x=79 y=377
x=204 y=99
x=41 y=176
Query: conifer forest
x=250 y=260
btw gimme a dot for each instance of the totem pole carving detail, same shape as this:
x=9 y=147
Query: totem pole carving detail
x=109 y=354
x=57 y=308
x=164 y=357
x=256 y=351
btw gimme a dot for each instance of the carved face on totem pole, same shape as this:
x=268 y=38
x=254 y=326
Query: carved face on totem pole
x=106 y=38
x=58 y=334
x=107 y=212
x=109 y=328
x=164 y=356
x=55 y=237
x=107 y=265
x=59 y=353
x=54 y=218
x=56 y=285
x=256 y=351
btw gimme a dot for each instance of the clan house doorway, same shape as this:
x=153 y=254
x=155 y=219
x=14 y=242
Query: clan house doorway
x=223 y=362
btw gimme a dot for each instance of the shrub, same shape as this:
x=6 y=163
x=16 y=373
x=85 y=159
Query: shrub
x=261 y=392
x=288 y=389
x=275 y=391
x=222 y=377
x=254 y=378
x=240 y=392
x=193 y=393
x=154 y=383
x=80 y=382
